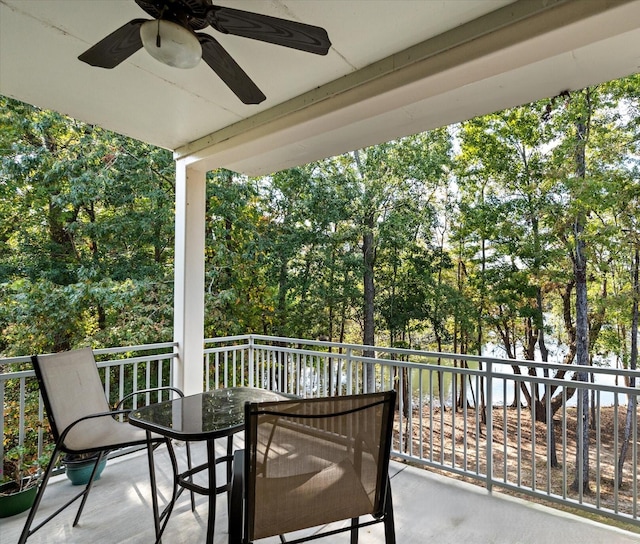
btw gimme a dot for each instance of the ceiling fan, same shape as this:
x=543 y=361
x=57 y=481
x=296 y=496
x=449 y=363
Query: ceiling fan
x=172 y=38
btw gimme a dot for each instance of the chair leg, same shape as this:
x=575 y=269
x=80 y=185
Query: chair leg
x=389 y=524
x=152 y=484
x=189 y=467
x=354 y=530
x=229 y=463
x=161 y=520
x=211 y=460
x=26 y=530
x=87 y=489
x=236 y=501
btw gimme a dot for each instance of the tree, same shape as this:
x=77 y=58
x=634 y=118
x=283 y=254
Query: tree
x=238 y=298
x=88 y=256
x=395 y=183
x=591 y=138
x=579 y=260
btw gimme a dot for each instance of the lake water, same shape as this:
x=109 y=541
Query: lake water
x=503 y=389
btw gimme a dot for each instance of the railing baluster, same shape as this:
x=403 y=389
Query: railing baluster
x=518 y=402
x=550 y=440
x=2 y=405
x=478 y=422
x=147 y=381
x=22 y=410
x=534 y=417
x=401 y=411
x=489 y=426
x=635 y=460
x=134 y=386
x=41 y=423
x=107 y=382
x=565 y=483
x=120 y=382
x=207 y=371
x=505 y=436
x=242 y=367
x=597 y=448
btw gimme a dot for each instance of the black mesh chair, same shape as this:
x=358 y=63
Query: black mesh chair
x=82 y=422
x=308 y=463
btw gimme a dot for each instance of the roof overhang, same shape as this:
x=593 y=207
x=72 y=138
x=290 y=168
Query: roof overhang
x=395 y=68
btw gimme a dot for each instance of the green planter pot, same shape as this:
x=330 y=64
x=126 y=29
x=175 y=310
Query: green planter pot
x=17 y=502
x=79 y=472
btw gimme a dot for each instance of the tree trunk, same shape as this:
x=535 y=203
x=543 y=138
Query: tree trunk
x=552 y=454
x=631 y=406
x=579 y=259
x=483 y=406
x=368 y=253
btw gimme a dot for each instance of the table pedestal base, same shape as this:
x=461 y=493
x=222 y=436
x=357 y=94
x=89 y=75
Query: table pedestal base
x=184 y=480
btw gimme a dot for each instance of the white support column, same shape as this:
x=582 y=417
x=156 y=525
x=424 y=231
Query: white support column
x=188 y=320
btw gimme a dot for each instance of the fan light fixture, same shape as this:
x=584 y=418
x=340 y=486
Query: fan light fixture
x=171 y=43
x=172 y=37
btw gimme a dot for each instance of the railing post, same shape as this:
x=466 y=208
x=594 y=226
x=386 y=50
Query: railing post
x=489 y=409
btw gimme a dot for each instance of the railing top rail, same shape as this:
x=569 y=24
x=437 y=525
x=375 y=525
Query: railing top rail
x=137 y=347
x=410 y=353
x=429 y=354
x=140 y=359
x=17 y=375
x=13 y=361
x=100 y=351
x=236 y=338
x=221 y=349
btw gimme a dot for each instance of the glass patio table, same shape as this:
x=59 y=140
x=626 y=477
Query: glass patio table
x=201 y=417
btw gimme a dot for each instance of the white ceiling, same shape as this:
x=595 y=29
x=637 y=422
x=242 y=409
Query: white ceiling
x=396 y=67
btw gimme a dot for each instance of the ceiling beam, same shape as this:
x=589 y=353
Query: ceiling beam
x=460 y=57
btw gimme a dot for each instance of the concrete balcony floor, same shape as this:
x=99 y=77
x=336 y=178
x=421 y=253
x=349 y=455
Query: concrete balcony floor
x=428 y=508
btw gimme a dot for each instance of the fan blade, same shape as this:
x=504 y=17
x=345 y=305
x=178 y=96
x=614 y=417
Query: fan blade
x=229 y=71
x=312 y=39
x=116 y=47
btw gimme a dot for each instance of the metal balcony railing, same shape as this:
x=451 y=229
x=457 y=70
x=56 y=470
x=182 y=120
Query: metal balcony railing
x=123 y=370
x=508 y=424
x=528 y=442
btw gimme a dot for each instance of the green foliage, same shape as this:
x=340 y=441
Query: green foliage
x=467 y=229
x=87 y=221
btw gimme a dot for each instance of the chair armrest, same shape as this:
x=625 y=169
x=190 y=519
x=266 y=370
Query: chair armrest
x=144 y=391
x=69 y=427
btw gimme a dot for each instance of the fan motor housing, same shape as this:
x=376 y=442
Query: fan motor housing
x=192 y=13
